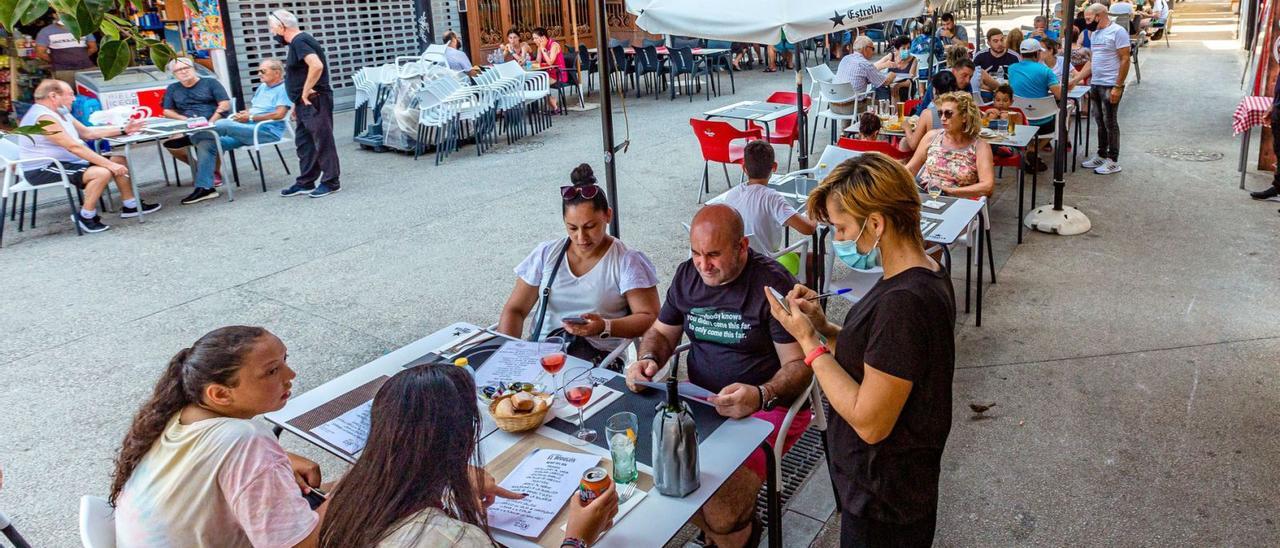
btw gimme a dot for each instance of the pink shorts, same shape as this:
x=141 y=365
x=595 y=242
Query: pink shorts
x=756 y=462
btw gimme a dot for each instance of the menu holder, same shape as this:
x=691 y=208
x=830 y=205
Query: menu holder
x=332 y=409
x=504 y=464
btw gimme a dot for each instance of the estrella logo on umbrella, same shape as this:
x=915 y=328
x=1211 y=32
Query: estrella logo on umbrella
x=855 y=15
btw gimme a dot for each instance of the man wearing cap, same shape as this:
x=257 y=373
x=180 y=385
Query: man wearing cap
x=1032 y=79
x=1110 y=46
x=997 y=54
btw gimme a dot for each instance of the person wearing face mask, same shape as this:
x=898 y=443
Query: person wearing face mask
x=737 y=350
x=307 y=82
x=64 y=140
x=887 y=370
x=602 y=293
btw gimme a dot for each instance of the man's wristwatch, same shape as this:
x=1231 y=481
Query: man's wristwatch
x=651 y=357
x=608 y=329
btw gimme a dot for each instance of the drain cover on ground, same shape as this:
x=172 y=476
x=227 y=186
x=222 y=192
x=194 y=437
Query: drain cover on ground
x=1186 y=154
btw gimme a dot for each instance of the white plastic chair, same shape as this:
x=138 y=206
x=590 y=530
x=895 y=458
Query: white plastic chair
x=838 y=93
x=436 y=54
x=287 y=137
x=818 y=74
x=15 y=182
x=831 y=157
x=97 y=524
x=1038 y=110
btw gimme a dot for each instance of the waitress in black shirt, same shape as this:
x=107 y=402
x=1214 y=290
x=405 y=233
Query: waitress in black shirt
x=887 y=371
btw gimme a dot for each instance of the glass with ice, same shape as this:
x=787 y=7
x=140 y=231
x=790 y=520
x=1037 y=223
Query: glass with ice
x=622 y=429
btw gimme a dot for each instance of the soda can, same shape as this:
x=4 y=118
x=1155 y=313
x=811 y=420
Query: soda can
x=595 y=481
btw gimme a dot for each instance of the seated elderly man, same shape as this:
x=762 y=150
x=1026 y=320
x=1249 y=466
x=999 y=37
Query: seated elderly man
x=64 y=140
x=195 y=97
x=739 y=351
x=270 y=104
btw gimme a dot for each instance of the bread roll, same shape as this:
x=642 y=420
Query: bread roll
x=523 y=401
x=541 y=406
x=505 y=409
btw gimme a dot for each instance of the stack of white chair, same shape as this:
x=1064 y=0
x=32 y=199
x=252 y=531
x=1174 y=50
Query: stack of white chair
x=533 y=92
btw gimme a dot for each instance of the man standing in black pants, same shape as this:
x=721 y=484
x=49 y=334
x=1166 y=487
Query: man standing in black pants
x=1273 y=190
x=307 y=82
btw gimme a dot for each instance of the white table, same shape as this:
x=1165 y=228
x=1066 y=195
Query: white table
x=654 y=521
x=754 y=111
x=159 y=130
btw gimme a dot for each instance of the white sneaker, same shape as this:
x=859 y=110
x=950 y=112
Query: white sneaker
x=1092 y=162
x=1107 y=168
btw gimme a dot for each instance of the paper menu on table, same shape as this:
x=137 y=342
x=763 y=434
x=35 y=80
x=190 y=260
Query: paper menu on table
x=515 y=361
x=349 y=431
x=685 y=388
x=549 y=478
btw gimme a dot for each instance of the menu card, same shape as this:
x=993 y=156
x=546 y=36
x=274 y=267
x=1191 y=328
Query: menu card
x=549 y=478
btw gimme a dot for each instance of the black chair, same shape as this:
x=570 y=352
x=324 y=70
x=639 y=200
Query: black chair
x=684 y=63
x=590 y=67
x=571 y=78
x=652 y=68
x=721 y=62
x=622 y=66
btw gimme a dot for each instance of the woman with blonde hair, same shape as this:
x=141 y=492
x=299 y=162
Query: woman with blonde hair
x=956 y=160
x=888 y=369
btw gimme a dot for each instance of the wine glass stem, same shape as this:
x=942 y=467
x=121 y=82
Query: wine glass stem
x=582 y=421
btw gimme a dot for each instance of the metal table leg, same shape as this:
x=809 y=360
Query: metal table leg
x=771 y=488
x=982 y=230
x=1244 y=156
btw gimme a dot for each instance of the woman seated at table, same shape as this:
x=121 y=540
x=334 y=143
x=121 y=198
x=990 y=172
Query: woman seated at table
x=610 y=287
x=901 y=45
x=550 y=54
x=196 y=469
x=954 y=158
x=514 y=49
x=417 y=483
x=943 y=82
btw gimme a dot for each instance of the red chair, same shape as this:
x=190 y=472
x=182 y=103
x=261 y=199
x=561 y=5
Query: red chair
x=883 y=147
x=784 y=129
x=717 y=142
x=911 y=106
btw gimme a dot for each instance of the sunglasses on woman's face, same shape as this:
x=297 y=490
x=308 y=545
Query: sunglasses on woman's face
x=946 y=113
x=587 y=192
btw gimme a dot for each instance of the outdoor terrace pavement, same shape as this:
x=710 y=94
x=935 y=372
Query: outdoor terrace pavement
x=1133 y=366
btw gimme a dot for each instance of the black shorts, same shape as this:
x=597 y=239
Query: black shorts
x=178 y=142
x=50 y=174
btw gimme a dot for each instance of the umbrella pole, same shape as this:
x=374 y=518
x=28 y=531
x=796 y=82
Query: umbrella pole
x=606 y=115
x=1057 y=218
x=977 y=37
x=802 y=121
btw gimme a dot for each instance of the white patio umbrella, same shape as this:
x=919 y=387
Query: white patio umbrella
x=768 y=22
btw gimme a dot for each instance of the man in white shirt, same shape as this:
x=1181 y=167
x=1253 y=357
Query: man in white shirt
x=1110 y=46
x=857 y=70
x=765 y=213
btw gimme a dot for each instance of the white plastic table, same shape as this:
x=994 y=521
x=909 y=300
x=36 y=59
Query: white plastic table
x=653 y=522
x=753 y=111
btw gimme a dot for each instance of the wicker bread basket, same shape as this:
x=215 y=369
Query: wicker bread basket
x=521 y=422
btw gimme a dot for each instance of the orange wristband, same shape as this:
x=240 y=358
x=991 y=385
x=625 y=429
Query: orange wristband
x=818 y=351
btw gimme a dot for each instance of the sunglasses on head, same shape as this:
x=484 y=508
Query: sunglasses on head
x=587 y=192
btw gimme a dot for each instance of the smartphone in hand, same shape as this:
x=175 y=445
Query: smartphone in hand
x=574 y=320
x=782 y=299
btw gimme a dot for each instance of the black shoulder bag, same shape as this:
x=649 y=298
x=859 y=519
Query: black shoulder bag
x=546 y=292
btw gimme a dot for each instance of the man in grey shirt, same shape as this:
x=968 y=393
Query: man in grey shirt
x=195 y=97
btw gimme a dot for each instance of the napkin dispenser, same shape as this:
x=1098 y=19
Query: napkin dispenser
x=675 y=443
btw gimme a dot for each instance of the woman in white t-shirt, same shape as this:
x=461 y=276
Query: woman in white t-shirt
x=196 y=470
x=603 y=293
